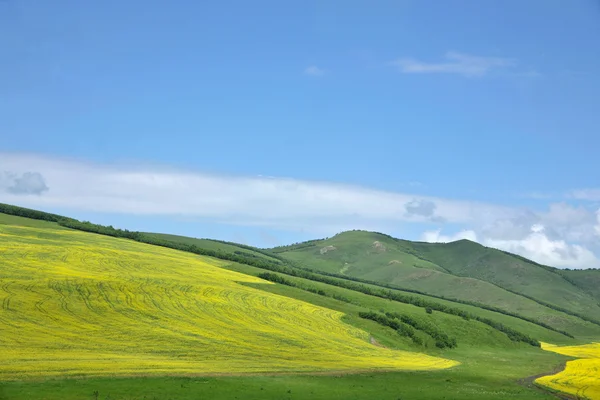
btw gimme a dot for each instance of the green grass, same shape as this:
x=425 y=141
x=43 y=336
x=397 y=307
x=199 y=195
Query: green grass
x=210 y=244
x=21 y=221
x=475 y=382
x=587 y=280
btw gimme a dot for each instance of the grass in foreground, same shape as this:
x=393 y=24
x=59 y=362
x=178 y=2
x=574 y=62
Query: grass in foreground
x=581 y=377
x=490 y=375
x=76 y=304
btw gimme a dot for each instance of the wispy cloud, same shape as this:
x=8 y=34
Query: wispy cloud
x=570 y=234
x=537 y=245
x=27 y=183
x=454 y=63
x=537 y=195
x=585 y=194
x=255 y=200
x=313 y=70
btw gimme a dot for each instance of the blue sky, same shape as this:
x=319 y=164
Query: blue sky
x=270 y=122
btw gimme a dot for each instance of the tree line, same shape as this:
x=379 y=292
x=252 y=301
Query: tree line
x=269 y=276
x=400 y=327
x=442 y=340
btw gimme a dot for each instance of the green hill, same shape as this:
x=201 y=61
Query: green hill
x=544 y=284
x=586 y=279
x=460 y=270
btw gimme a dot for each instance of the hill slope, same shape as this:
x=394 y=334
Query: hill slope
x=587 y=279
x=462 y=270
x=90 y=304
x=466 y=258
x=215 y=245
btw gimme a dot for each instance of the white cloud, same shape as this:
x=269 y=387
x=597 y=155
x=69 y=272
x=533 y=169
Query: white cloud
x=585 y=194
x=537 y=246
x=256 y=200
x=436 y=236
x=568 y=236
x=454 y=63
x=313 y=70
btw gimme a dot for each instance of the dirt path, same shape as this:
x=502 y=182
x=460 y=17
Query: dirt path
x=374 y=342
x=529 y=382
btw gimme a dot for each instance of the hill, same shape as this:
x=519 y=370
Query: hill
x=462 y=270
x=85 y=301
x=586 y=279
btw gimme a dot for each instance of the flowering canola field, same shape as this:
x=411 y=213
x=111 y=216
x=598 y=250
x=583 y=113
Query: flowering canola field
x=580 y=377
x=74 y=303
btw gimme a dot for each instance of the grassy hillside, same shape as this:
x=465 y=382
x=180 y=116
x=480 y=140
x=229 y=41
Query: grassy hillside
x=437 y=269
x=465 y=258
x=6 y=219
x=587 y=279
x=215 y=245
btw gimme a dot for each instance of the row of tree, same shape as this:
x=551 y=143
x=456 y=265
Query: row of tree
x=296 y=246
x=442 y=340
x=269 y=276
x=33 y=214
x=400 y=327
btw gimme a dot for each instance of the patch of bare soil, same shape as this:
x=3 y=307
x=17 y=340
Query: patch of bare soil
x=379 y=247
x=374 y=342
x=345 y=268
x=327 y=249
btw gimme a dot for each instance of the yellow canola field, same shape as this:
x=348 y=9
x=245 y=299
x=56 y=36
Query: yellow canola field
x=580 y=377
x=75 y=303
